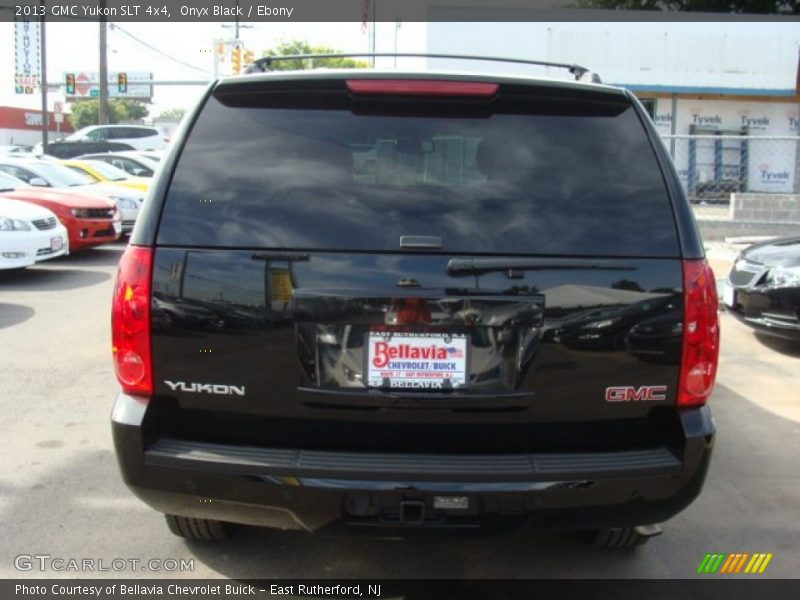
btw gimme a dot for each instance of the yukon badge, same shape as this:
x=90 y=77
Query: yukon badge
x=206 y=388
x=629 y=393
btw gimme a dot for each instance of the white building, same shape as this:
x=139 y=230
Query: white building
x=708 y=78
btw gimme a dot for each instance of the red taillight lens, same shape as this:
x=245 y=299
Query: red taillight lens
x=700 y=334
x=421 y=87
x=130 y=321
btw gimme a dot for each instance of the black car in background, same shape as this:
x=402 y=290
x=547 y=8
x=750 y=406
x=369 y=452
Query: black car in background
x=68 y=149
x=303 y=342
x=763 y=288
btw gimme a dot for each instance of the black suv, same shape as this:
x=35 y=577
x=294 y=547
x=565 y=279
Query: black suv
x=362 y=300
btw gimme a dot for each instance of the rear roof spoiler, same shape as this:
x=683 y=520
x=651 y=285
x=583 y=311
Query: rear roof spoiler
x=263 y=65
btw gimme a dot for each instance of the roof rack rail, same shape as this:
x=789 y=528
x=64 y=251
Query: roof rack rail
x=263 y=65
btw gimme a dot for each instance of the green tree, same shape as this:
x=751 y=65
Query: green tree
x=173 y=114
x=86 y=112
x=298 y=47
x=134 y=110
x=723 y=6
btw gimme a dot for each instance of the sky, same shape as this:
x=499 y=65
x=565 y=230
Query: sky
x=184 y=50
x=73 y=47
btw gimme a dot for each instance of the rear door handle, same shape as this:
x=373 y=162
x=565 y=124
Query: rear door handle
x=421 y=242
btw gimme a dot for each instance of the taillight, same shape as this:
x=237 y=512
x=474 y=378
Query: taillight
x=421 y=87
x=700 y=334
x=130 y=321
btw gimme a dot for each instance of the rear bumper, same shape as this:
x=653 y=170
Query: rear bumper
x=772 y=311
x=338 y=492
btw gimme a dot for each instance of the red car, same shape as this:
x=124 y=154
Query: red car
x=90 y=221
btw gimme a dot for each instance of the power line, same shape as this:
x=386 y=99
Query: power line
x=114 y=26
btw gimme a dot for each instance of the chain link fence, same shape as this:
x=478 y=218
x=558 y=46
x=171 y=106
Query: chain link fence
x=740 y=185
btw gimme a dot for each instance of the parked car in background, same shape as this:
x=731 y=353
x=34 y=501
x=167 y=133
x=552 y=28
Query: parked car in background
x=15 y=149
x=763 y=288
x=154 y=155
x=54 y=174
x=65 y=149
x=606 y=327
x=29 y=234
x=42 y=172
x=8 y=183
x=102 y=172
x=89 y=220
x=657 y=339
x=132 y=163
x=141 y=138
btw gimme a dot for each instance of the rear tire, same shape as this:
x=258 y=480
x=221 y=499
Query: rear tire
x=625 y=538
x=203 y=530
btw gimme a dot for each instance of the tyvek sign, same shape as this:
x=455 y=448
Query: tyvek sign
x=770 y=164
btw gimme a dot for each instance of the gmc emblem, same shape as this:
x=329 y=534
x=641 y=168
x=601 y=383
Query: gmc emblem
x=628 y=393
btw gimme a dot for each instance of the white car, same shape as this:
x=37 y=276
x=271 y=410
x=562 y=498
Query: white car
x=48 y=173
x=9 y=183
x=29 y=234
x=137 y=136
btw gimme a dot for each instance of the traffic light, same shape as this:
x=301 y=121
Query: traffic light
x=70 y=84
x=122 y=83
x=248 y=57
x=236 y=61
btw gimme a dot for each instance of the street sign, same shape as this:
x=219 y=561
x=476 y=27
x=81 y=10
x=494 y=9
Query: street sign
x=58 y=112
x=81 y=85
x=86 y=85
x=27 y=67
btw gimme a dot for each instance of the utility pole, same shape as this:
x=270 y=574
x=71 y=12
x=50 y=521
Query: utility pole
x=397 y=25
x=43 y=81
x=236 y=28
x=373 y=40
x=102 y=113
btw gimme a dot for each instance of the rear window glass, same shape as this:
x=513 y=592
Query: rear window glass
x=551 y=181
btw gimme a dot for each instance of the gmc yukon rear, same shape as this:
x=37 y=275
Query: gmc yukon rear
x=365 y=301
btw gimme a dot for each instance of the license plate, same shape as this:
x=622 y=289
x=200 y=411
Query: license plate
x=451 y=502
x=434 y=361
x=728 y=294
x=55 y=244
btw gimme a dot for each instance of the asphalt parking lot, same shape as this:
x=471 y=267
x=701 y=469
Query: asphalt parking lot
x=61 y=495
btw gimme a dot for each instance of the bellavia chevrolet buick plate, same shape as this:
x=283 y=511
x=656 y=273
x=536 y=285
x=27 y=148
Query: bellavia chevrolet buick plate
x=404 y=303
x=416 y=360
